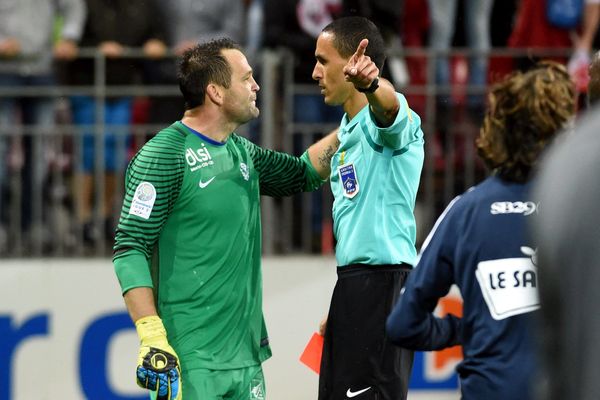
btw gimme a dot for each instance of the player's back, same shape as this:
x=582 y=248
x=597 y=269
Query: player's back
x=494 y=269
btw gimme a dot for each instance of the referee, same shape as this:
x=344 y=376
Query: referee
x=374 y=179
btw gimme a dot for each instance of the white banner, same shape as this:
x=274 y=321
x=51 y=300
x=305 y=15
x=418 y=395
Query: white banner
x=65 y=333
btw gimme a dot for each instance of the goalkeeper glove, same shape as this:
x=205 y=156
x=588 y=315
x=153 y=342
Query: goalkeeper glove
x=158 y=367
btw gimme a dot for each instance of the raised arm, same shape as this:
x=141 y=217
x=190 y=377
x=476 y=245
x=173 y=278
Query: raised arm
x=364 y=74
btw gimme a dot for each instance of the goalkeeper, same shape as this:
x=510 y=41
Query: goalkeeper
x=188 y=244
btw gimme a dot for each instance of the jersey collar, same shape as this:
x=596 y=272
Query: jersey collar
x=203 y=137
x=347 y=126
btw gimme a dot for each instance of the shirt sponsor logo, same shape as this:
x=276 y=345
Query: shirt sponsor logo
x=517 y=207
x=198 y=158
x=509 y=285
x=143 y=200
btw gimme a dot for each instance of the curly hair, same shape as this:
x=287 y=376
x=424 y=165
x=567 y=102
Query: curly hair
x=525 y=112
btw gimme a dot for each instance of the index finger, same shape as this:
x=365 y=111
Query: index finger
x=362 y=47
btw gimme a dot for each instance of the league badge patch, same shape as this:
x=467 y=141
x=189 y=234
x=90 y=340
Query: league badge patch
x=349 y=180
x=143 y=200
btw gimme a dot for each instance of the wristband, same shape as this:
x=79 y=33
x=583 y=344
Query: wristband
x=372 y=87
x=150 y=329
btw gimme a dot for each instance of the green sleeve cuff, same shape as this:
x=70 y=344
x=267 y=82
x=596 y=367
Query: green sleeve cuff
x=313 y=179
x=132 y=270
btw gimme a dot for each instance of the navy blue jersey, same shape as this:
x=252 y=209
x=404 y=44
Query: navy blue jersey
x=480 y=244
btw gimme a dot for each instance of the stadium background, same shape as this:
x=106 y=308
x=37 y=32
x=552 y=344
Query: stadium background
x=66 y=328
x=66 y=334
x=63 y=327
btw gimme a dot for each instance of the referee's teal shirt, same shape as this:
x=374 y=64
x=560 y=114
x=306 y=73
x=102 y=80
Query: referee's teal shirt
x=374 y=179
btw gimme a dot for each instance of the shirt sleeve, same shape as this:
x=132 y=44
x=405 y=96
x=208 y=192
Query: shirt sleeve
x=152 y=185
x=282 y=174
x=412 y=323
x=405 y=129
x=74 y=13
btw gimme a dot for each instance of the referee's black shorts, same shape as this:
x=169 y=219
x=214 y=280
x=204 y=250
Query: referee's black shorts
x=359 y=362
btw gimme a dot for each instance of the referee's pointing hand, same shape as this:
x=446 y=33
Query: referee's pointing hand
x=360 y=69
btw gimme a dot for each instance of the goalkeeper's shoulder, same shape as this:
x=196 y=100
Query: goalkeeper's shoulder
x=167 y=148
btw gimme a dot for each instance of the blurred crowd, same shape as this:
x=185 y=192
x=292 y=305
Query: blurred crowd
x=48 y=44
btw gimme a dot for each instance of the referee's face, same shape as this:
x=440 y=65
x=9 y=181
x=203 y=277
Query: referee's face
x=239 y=101
x=329 y=73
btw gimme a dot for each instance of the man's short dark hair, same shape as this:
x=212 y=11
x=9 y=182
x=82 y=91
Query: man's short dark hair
x=201 y=65
x=349 y=31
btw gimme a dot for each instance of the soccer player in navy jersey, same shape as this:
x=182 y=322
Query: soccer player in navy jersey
x=480 y=243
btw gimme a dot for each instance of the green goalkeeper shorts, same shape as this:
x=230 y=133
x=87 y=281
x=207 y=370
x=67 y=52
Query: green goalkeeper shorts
x=233 y=384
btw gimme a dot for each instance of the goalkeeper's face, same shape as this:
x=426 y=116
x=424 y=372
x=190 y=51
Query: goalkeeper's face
x=239 y=100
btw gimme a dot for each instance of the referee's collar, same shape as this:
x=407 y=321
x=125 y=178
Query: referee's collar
x=348 y=126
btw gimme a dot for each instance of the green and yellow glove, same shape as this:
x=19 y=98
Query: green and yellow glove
x=158 y=367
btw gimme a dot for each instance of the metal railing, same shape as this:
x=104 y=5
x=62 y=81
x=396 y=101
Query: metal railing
x=298 y=224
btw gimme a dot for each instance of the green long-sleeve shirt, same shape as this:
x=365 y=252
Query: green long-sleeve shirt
x=190 y=228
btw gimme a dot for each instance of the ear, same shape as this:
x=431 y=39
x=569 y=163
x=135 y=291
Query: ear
x=215 y=93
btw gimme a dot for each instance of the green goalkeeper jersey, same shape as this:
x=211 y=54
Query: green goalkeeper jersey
x=190 y=228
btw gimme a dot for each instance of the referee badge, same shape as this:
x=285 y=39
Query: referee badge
x=349 y=180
